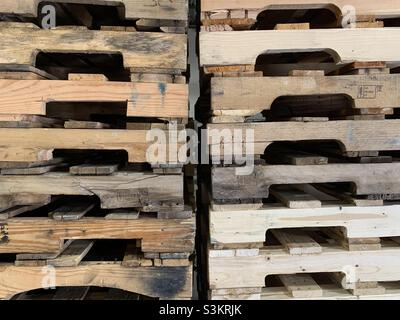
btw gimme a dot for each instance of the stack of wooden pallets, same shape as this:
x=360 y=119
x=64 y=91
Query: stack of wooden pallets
x=80 y=206
x=318 y=217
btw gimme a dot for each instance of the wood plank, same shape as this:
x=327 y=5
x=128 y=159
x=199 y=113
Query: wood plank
x=73 y=255
x=72 y=211
x=134 y=9
x=301 y=286
x=227 y=272
x=219 y=8
x=144 y=99
x=127 y=214
x=294 y=198
x=17 y=210
x=43 y=140
x=120 y=190
x=226 y=48
x=29 y=171
x=93 y=169
x=73 y=124
x=297 y=242
x=352 y=135
x=166 y=51
x=38 y=235
x=368 y=179
x=226 y=227
x=259 y=93
x=172 y=283
x=45 y=256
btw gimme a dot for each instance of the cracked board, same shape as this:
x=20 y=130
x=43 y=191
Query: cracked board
x=226 y=48
x=134 y=9
x=29 y=97
x=226 y=266
x=118 y=190
x=148 y=50
x=32 y=145
x=157 y=282
x=37 y=235
x=237 y=95
x=352 y=135
x=368 y=179
x=250 y=10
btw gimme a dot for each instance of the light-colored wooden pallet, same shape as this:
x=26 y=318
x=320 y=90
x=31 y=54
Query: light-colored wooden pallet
x=369 y=179
x=157 y=282
x=351 y=135
x=118 y=190
x=250 y=9
x=325 y=292
x=257 y=94
x=226 y=227
x=24 y=145
x=146 y=50
x=226 y=266
x=159 y=100
x=134 y=9
x=226 y=48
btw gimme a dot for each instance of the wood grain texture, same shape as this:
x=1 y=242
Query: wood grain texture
x=226 y=227
x=364 y=266
x=38 y=235
x=134 y=9
x=139 y=49
x=39 y=140
x=217 y=8
x=368 y=179
x=259 y=93
x=227 y=48
x=144 y=99
x=357 y=135
x=119 y=190
x=164 y=283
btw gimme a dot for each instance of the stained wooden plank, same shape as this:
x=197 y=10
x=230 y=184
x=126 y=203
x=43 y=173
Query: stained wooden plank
x=297 y=242
x=17 y=210
x=368 y=179
x=144 y=99
x=301 y=286
x=72 y=211
x=45 y=256
x=73 y=255
x=29 y=171
x=144 y=50
x=93 y=169
x=127 y=214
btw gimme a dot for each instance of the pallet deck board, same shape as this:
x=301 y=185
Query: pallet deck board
x=119 y=190
x=259 y=93
x=226 y=48
x=29 y=97
x=20 y=46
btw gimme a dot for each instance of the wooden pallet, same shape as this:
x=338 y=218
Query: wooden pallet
x=353 y=136
x=134 y=9
x=226 y=48
x=123 y=189
x=305 y=289
x=369 y=179
x=30 y=145
x=247 y=96
x=245 y=13
x=155 y=282
x=159 y=52
x=359 y=267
